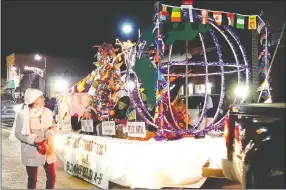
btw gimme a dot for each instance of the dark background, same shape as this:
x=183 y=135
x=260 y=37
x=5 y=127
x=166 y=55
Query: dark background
x=71 y=28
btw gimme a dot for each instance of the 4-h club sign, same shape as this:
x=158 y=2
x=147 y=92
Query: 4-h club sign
x=108 y=128
x=136 y=129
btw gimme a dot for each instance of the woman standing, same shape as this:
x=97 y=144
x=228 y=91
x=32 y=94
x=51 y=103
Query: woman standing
x=34 y=128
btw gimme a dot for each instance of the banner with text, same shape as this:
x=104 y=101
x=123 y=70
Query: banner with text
x=84 y=158
x=136 y=129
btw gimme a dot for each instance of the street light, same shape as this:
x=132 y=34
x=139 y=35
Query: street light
x=61 y=85
x=38 y=57
x=241 y=91
x=126 y=28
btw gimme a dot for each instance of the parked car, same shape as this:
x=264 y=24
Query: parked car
x=7 y=106
x=255 y=141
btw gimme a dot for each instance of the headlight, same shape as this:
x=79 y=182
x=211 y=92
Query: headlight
x=17 y=108
x=241 y=91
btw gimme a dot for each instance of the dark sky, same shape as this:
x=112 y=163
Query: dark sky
x=72 y=28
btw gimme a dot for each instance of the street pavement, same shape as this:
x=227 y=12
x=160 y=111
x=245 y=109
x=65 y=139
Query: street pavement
x=14 y=173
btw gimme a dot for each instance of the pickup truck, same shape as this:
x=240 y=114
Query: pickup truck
x=255 y=141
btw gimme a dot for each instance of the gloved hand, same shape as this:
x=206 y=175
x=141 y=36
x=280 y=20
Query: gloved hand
x=42 y=147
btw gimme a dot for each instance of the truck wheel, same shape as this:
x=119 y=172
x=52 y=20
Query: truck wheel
x=262 y=180
x=253 y=180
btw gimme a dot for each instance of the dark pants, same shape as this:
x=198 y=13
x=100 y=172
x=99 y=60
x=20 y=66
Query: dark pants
x=33 y=176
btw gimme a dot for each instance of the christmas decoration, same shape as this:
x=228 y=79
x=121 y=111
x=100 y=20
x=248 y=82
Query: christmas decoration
x=106 y=78
x=171 y=128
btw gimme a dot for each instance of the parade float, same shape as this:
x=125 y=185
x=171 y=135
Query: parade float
x=139 y=131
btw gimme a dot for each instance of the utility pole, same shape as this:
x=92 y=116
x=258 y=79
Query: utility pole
x=254 y=66
x=45 y=77
x=20 y=83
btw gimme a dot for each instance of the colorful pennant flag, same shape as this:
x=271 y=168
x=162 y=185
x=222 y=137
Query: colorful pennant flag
x=81 y=85
x=65 y=116
x=240 y=22
x=160 y=76
x=260 y=26
x=217 y=17
x=187 y=2
x=230 y=18
x=204 y=16
x=157 y=25
x=105 y=115
x=188 y=12
x=176 y=15
x=252 y=22
x=132 y=115
x=164 y=14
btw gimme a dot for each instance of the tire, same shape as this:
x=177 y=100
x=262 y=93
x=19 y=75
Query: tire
x=262 y=180
x=253 y=180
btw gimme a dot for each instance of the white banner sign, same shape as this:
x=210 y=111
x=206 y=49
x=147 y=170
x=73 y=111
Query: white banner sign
x=136 y=129
x=87 y=125
x=108 y=128
x=84 y=157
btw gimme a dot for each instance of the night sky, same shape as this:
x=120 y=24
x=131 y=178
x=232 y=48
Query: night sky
x=72 y=28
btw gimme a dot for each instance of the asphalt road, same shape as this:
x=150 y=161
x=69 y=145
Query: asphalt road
x=14 y=174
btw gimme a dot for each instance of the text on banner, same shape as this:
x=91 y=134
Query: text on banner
x=136 y=129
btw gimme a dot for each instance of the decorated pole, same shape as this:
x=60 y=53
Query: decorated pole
x=268 y=71
x=160 y=114
x=265 y=83
x=187 y=84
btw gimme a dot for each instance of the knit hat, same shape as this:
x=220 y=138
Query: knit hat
x=31 y=95
x=125 y=99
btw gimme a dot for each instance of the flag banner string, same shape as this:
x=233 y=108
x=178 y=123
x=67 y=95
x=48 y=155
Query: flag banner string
x=258 y=16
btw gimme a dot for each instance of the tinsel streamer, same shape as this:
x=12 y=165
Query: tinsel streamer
x=232 y=32
x=206 y=82
x=220 y=122
x=140 y=112
x=140 y=104
x=201 y=63
x=222 y=92
x=203 y=74
x=161 y=134
x=231 y=47
x=140 y=46
x=168 y=86
x=264 y=64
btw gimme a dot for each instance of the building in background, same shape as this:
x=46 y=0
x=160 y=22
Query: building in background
x=49 y=74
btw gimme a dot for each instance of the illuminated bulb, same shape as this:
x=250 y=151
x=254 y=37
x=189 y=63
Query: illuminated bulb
x=61 y=85
x=130 y=85
x=37 y=57
x=127 y=28
x=240 y=91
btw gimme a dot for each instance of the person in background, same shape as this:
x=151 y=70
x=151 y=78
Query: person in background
x=34 y=127
x=121 y=110
x=75 y=123
x=91 y=114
